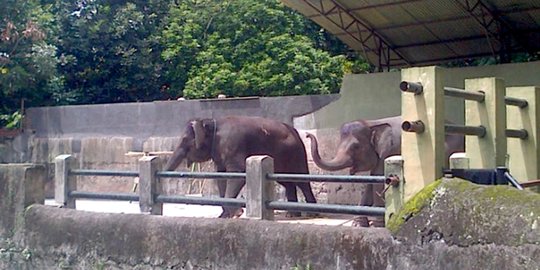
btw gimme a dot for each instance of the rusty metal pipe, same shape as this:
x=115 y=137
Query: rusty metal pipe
x=413 y=126
x=461 y=93
x=519 y=102
x=517 y=133
x=479 y=131
x=411 y=87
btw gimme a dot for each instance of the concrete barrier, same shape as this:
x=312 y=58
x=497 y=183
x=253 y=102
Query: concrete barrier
x=20 y=186
x=485 y=126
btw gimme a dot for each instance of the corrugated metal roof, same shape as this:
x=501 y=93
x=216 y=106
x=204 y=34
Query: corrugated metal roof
x=398 y=33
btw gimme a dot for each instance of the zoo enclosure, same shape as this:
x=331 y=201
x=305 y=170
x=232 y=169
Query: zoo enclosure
x=489 y=141
x=260 y=199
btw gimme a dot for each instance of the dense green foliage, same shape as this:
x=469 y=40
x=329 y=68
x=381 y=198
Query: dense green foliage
x=55 y=52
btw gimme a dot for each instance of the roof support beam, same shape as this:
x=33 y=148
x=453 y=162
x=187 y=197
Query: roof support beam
x=373 y=42
x=500 y=34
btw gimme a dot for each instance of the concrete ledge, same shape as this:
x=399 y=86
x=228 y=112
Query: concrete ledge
x=63 y=237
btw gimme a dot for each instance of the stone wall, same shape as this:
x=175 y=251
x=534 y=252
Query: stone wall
x=448 y=229
x=99 y=136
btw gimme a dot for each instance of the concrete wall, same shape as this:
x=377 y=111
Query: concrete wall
x=57 y=238
x=99 y=136
x=372 y=96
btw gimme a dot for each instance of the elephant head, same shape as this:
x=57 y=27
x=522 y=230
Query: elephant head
x=361 y=147
x=195 y=144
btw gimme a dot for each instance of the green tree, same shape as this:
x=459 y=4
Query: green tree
x=27 y=55
x=243 y=47
x=109 y=52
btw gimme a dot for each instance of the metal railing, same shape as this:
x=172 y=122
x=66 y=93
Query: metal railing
x=151 y=200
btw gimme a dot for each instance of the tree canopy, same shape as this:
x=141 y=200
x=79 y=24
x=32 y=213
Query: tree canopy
x=55 y=52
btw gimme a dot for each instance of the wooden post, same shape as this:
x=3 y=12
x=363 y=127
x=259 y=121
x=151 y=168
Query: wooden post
x=424 y=152
x=488 y=151
x=524 y=154
x=63 y=182
x=149 y=185
x=259 y=190
x=394 y=196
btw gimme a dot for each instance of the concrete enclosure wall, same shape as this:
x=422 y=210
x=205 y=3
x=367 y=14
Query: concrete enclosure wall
x=372 y=96
x=49 y=237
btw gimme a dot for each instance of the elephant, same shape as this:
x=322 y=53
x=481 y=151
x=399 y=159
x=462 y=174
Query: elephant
x=228 y=141
x=363 y=147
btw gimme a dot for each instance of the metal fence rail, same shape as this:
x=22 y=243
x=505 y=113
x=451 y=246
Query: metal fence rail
x=104 y=196
x=201 y=200
x=150 y=198
x=367 y=179
x=326 y=208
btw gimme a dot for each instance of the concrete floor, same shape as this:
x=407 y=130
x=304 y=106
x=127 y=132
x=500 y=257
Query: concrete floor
x=185 y=210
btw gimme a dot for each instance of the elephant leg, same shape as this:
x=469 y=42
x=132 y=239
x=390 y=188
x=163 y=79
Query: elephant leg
x=365 y=200
x=378 y=201
x=309 y=196
x=290 y=193
x=308 y=193
x=234 y=186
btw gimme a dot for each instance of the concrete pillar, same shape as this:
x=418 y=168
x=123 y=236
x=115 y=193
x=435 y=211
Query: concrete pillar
x=524 y=154
x=259 y=190
x=63 y=182
x=488 y=151
x=459 y=161
x=394 y=195
x=21 y=185
x=423 y=152
x=149 y=185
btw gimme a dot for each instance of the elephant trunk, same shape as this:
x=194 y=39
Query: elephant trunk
x=339 y=162
x=177 y=157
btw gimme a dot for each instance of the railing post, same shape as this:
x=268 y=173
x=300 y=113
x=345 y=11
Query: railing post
x=524 y=154
x=488 y=151
x=459 y=161
x=63 y=182
x=423 y=152
x=394 y=196
x=149 y=185
x=259 y=190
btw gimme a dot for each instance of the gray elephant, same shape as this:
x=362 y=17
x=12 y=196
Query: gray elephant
x=363 y=147
x=230 y=140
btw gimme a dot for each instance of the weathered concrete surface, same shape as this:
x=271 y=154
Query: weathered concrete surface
x=464 y=214
x=454 y=224
x=20 y=186
x=80 y=240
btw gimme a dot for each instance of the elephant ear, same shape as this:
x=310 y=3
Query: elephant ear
x=198 y=130
x=381 y=138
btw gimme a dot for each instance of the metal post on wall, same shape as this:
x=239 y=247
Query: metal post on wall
x=64 y=183
x=395 y=194
x=259 y=190
x=149 y=185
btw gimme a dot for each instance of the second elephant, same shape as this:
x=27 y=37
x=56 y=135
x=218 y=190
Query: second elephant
x=363 y=147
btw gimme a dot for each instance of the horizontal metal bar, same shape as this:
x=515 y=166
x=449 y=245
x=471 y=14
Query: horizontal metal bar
x=327 y=208
x=461 y=93
x=87 y=172
x=517 y=133
x=104 y=196
x=530 y=183
x=479 y=131
x=287 y=177
x=411 y=87
x=519 y=102
x=201 y=200
x=215 y=175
